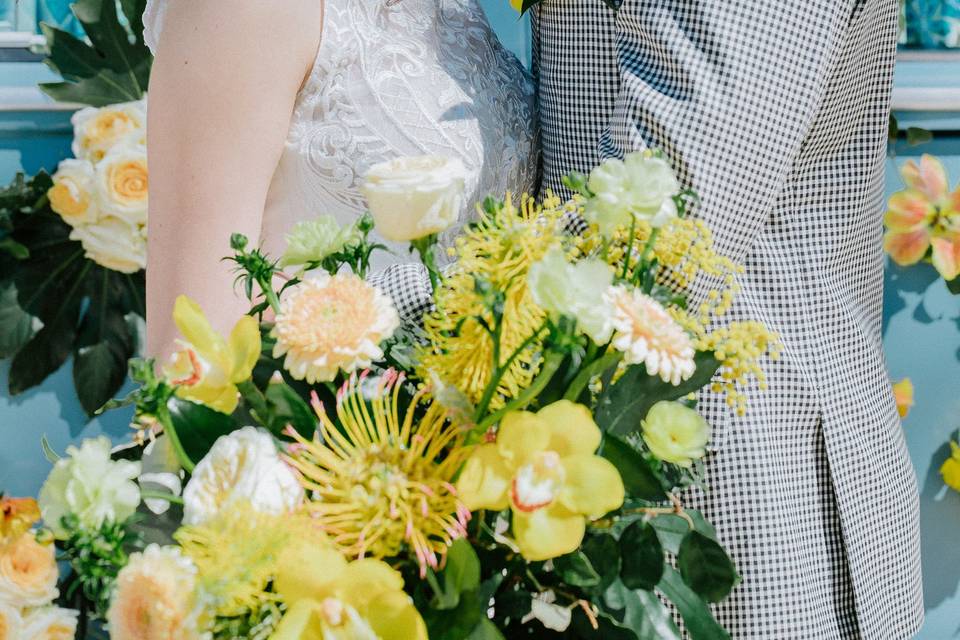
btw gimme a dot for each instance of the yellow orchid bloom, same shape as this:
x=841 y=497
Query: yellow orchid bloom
x=328 y=597
x=903 y=396
x=950 y=470
x=925 y=219
x=543 y=466
x=208 y=367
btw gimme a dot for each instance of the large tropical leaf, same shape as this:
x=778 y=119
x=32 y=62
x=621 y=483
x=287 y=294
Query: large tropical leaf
x=113 y=63
x=55 y=303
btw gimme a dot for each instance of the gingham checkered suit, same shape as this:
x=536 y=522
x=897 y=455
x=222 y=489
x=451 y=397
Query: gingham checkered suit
x=775 y=111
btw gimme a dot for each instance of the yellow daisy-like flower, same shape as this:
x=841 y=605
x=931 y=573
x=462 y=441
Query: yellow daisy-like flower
x=950 y=470
x=646 y=333
x=328 y=597
x=207 y=367
x=498 y=252
x=155 y=597
x=543 y=467
x=237 y=553
x=378 y=483
x=331 y=323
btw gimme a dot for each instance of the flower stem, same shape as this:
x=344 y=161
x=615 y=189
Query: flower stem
x=583 y=378
x=146 y=494
x=425 y=247
x=528 y=395
x=629 y=256
x=645 y=256
x=500 y=370
x=164 y=418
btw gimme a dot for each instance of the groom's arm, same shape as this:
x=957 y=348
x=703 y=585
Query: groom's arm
x=729 y=90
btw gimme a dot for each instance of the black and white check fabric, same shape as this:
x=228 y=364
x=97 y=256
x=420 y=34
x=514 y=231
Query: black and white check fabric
x=775 y=111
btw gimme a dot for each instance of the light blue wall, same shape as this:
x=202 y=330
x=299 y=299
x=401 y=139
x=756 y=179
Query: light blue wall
x=921 y=329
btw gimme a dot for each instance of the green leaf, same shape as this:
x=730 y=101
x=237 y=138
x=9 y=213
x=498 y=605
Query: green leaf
x=460 y=604
x=603 y=552
x=486 y=630
x=642 y=612
x=575 y=569
x=48 y=451
x=14 y=248
x=954 y=286
x=706 y=567
x=461 y=574
x=197 y=426
x=106 y=88
x=639 y=478
x=624 y=404
x=641 y=556
x=16 y=325
x=917 y=136
x=286 y=407
x=696 y=615
x=46 y=352
x=672 y=529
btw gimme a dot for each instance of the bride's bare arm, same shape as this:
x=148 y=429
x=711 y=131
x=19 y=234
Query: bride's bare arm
x=221 y=94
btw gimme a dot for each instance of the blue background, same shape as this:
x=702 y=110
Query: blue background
x=921 y=332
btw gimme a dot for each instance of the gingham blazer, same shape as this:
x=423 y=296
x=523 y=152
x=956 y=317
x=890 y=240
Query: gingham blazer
x=775 y=111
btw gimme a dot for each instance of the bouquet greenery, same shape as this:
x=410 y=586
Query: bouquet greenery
x=511 y=465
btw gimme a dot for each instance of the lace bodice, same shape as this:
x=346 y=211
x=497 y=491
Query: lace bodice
x=397 y=78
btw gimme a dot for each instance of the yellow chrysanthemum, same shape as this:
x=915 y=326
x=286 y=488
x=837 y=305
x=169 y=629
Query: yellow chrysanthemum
x=950 y=470
x=237 y=553
x=207 y=367
x=331 y=323
x=496 y=252
x=327 y=597
x=378 y=483
x=543 y=467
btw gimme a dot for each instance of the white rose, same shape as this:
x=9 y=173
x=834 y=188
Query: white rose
x=641 y=185
x=411 y=198
x=11 y=623
x=97 y=130
x=50 y=623
x=114 y=244
x=123 y=183
x=243 y=465
x=88 y=484
x=73 y=194
x=575 y=290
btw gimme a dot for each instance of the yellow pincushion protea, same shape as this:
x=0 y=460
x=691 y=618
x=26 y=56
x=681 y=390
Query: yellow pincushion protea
x=499 y=251
x=328 y=597
x=207 y=367
x=543 y=467
x=377 y=483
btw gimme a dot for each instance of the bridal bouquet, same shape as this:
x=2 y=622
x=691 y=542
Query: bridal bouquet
x=512 y=465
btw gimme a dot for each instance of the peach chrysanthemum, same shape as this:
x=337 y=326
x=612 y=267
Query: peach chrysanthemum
x=331 y=323
x=646 y=333
x=378 y=482
x=154 y=597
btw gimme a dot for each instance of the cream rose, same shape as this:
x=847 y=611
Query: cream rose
x=73 y=194
x=50 y=623
x=96 y=130
x=114 y=244
x=675 y=433
x=11 y=623
x=243 y=465
x=28 y=572
x=411 y=198
x=122 y=183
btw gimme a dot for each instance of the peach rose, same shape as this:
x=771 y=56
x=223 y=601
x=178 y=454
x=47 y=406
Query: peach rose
x=28 y=572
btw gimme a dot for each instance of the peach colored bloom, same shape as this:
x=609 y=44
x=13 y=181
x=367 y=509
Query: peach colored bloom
x=28 y=572
x=331 y=323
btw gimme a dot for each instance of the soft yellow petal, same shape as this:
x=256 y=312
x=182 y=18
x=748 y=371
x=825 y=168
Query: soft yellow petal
x=196 y=329
x=308 y=572
x=903 y=396
x=592 y=485
x=909 y=210
x=547 y=533
x=392 y=616
x=572 y=429
x=219 y=398
x=302 y=621
x=522 y=434
x=929 y=177
x=946 y=255
x=951 y=468
x=484 y=482
x=907 y=247
x=365 y=579
x=244 y=348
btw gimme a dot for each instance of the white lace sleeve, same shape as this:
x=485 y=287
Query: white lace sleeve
x=153 y=22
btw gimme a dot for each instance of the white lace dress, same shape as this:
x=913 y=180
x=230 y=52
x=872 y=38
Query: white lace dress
x=397 y=78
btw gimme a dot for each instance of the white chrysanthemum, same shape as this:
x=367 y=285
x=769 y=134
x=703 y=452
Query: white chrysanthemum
x=641 y=184
x=155 y=597
x=11 y=623
x=646 y=333
x=313 y=240
x=50 y=623
x=330 y=323
x=90 y=485
x=243 y=465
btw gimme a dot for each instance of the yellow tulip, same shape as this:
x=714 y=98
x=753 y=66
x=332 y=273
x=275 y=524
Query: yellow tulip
x=208 y=367
x=327 y=597
x=951 y=468
x=543 y=467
